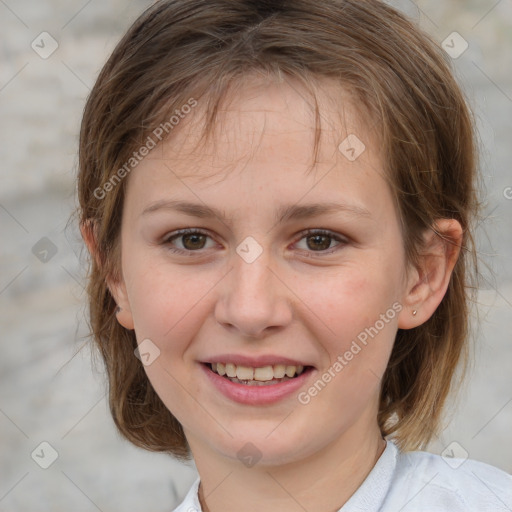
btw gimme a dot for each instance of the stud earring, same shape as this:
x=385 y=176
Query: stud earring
x=118 y=310
x=414 y=313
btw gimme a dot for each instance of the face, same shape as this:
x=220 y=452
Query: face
x=262 y=282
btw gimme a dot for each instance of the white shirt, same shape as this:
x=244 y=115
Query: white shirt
x=419 y=482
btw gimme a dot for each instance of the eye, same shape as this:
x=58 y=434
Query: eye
x=319 y=241
x=192 y=240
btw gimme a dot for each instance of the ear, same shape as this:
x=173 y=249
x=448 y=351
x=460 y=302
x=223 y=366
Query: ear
x=88 y=230
x=428 y=283
x=117 y=288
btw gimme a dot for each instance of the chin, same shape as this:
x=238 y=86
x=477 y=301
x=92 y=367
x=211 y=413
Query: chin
x=268 y=446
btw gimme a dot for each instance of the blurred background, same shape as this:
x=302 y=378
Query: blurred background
x=51 y=389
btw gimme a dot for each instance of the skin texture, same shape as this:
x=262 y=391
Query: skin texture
x=291 y=301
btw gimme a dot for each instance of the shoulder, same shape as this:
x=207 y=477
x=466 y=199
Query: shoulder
x=424 y=480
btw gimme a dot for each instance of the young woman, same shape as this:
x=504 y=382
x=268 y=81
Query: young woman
x=279 y=200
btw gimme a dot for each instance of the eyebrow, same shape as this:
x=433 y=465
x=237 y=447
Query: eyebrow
x=283 y=214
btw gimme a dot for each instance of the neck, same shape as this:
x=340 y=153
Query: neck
x=324 y=481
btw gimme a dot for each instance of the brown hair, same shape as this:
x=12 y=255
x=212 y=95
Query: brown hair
x=402 y=80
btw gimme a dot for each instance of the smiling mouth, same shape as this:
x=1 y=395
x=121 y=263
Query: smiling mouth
x=261 y=376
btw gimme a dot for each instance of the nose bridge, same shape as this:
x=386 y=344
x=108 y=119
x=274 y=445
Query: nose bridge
x=253 y=278
x=253 y=298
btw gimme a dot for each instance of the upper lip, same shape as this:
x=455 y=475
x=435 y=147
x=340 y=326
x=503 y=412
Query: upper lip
x=255 y=362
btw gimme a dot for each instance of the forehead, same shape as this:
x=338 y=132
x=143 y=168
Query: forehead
x=264 y=134
x=254 y=107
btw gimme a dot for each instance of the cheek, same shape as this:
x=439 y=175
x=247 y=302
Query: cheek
x=352 y=300
x=359 y=324
x=167 y=306
x=165 y=300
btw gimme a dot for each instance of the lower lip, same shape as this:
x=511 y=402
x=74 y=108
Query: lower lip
x=256 y=395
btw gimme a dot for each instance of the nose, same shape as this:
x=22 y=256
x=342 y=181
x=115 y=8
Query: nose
x=253 y=299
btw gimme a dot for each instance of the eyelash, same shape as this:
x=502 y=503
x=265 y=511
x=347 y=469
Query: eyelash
x=310 y=232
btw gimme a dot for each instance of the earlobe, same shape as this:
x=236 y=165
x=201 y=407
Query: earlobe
x=428 y=284
x=124 y=318
x=123 y=311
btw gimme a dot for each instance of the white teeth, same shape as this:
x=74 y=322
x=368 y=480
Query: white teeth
x=261 y=374
x=279 y=371
x=230 y=370
x=244 y=373
x=290 y=371
x=264 y=373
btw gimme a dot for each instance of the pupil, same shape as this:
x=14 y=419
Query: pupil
x=195 y=238
x=317 y=238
